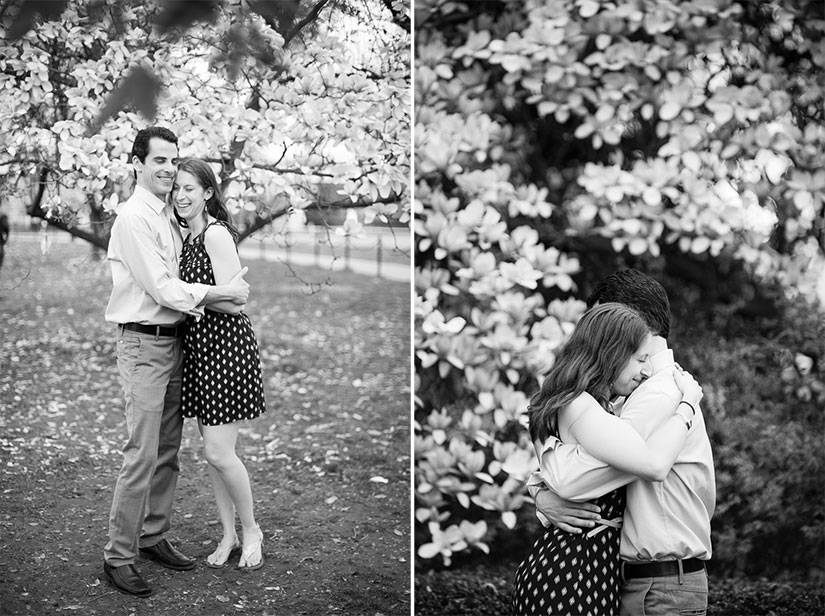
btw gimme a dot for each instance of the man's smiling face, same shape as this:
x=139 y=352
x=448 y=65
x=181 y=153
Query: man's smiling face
x=157 y=173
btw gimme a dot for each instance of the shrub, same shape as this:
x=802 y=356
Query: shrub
x=550 y=149
x=764 y=402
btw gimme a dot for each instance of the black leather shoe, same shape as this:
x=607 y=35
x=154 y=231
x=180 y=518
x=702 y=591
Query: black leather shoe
x=168 y=556
x=127 y=580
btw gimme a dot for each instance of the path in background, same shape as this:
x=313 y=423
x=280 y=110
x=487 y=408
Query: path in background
x=385 y=253
x=379 y=252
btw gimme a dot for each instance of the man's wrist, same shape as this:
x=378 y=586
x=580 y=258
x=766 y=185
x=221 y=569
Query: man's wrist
x=219 y=293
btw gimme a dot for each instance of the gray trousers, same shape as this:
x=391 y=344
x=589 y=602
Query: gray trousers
x=685 y=595
x=150 y=374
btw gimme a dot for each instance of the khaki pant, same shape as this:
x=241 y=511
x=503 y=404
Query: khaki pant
x=150 y=374
x=666 y=596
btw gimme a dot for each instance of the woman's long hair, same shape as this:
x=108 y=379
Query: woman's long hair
x=602 y=342
x=215 y=206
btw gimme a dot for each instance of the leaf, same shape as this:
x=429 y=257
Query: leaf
x=140 y=88
x=775 y=167
x=588 y=8
x=651 y=196
x=637 y=246
x=428 y=550
x=183 y=13
x=28 y=12
x=282 y=12
x=669 y=111
x=513 y=63
x=509 y=519
x=699 y=245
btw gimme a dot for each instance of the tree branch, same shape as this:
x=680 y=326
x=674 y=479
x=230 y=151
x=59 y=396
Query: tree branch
x=346 y=204
x=399 y=18
x=309 y=18
x=35 y=210
x=260 y=223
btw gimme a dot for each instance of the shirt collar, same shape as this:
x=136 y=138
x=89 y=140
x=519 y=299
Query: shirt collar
x=153 y=201
x=662 y=360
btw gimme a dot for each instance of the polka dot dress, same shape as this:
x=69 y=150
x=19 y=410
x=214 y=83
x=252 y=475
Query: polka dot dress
x=573 y=574
x=222 y=379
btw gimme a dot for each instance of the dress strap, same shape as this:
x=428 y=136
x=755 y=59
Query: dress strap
x=602 y=524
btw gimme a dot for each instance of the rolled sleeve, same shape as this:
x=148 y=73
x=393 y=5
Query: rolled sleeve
x=575 y=475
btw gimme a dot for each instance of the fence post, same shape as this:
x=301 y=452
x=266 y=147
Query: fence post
x=378 y=258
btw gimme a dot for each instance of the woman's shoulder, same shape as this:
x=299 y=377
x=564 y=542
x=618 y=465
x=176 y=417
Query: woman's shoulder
x=217 y=226
x=584 y=400
x=218 y=230
x=577 y=408
x=579 y=405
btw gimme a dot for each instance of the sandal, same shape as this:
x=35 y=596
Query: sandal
x=222 y=554
x=256 y=547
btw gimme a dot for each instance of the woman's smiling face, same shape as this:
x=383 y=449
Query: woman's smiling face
x=188 y=196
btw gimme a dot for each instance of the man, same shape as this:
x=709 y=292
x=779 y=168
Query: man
x=149 y=303
x=4 y=236
x=665 y=540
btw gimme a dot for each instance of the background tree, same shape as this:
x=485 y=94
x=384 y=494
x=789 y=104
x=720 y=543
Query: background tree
x=282 y=97
x=557 y=141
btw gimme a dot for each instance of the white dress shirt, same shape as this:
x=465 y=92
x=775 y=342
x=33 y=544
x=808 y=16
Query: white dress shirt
x=144 y=249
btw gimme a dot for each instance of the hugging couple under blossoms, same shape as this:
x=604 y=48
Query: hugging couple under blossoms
x=185 y=348
x=617 y=423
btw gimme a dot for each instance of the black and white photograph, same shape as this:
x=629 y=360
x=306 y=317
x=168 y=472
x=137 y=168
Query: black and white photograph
x=205 y=307
x=619 y=291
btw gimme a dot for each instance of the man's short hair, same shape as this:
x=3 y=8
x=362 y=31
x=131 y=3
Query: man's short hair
x=639 y=291
x=140 y=147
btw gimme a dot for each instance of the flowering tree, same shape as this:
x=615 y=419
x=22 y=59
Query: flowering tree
x=553 y=134
x=281 y=97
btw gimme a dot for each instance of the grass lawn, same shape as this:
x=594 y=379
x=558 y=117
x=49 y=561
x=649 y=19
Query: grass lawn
x=482 y=587
x=329 y=461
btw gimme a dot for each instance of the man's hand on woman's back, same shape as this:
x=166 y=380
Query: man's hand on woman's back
x=566 y=515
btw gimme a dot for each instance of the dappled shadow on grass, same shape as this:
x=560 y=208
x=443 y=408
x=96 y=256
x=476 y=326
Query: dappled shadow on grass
x=329 y=461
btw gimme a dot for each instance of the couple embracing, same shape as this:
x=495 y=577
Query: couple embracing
x=617 y=423
x=185 y=348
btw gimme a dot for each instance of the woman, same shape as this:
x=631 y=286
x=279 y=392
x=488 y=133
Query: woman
x=222 y=382
x=606 y=357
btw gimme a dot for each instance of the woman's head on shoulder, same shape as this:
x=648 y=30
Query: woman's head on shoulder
x=198 y=172
x=605 y=356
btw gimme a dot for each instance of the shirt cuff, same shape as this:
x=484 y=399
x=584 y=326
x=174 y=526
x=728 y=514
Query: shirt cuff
x=534 y=485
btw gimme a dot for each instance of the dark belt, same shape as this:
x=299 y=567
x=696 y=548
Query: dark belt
x=661 y=568
x=167 y=331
